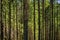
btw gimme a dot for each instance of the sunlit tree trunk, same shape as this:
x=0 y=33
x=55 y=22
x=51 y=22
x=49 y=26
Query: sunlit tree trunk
x=30 y=34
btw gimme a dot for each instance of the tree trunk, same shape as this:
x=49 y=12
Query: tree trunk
x=39 y=19
x=51 y=29
x=25 y=18
x=9 y=15
x=1 y=22
x=43 y=20
x=34 y=20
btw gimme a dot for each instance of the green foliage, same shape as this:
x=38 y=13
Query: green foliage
x=17 y=16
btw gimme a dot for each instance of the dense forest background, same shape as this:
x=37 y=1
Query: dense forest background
x=29 y=20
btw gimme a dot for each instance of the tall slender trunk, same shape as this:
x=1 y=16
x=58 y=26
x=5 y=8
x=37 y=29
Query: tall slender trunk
x=39 y=19
x=34 y=20
x=51 y=21
x=57 y=32
x=46 y=26
x=16 y=22
x=47 y=23
x=25 y=17
x=1 y=22
x=43 y=19
x=9 y=15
